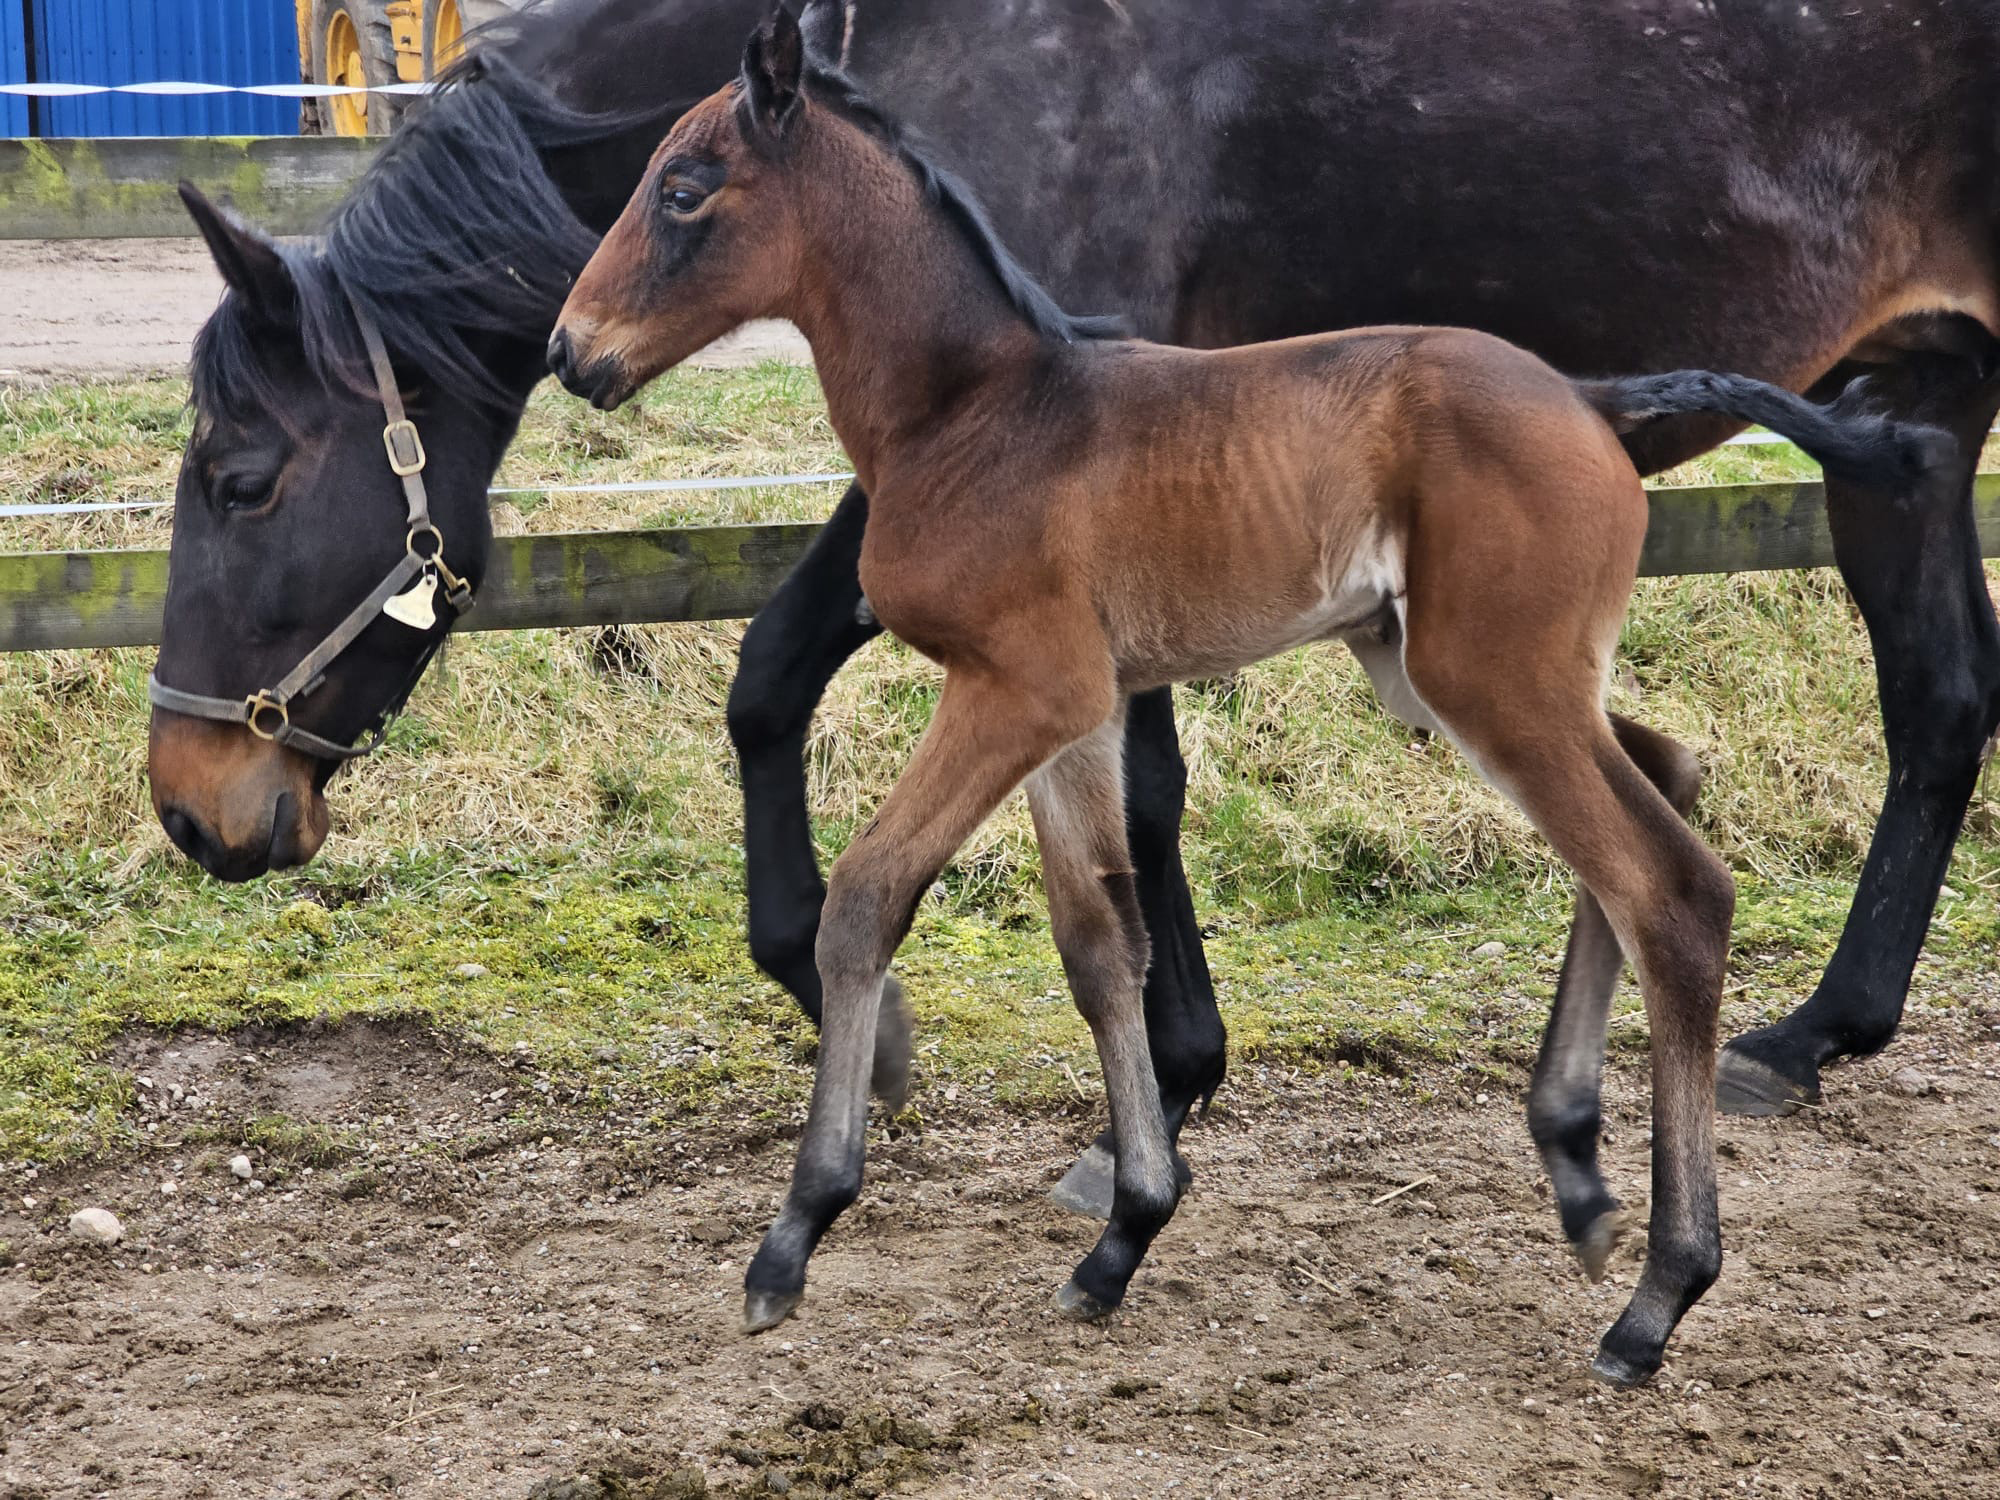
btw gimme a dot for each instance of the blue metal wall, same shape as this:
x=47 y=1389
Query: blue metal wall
x=140 y=41
x=13 y=65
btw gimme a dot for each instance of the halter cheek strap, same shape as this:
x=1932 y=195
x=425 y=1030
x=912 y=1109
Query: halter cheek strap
x=267 y=712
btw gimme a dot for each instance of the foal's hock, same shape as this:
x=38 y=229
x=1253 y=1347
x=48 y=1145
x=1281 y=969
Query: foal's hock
x=1061 y=520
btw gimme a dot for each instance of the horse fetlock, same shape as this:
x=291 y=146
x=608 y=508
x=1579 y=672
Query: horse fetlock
x=1141 y=1211
x=1565 y=1122
x=782 y=935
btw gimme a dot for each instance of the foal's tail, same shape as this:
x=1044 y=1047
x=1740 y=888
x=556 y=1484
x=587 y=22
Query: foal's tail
x=1851 y=442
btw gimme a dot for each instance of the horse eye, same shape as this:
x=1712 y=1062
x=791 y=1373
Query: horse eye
x=244 y=494
x=685 y=200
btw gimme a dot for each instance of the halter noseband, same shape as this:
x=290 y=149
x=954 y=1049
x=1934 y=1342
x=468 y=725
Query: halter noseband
x=267 y=711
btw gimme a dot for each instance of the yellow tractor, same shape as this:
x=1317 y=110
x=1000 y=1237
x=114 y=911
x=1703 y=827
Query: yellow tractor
x=368 y=43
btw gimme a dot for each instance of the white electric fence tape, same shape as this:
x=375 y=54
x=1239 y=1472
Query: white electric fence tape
x=267 y=90
x=636 y=487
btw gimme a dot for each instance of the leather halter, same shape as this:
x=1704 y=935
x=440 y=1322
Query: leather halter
x=267 y=712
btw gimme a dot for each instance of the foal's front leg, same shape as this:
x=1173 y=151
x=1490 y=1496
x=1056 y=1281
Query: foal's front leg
x=984 y=738
x=1078 y=801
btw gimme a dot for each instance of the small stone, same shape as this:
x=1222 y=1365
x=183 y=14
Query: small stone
x=97 y=1226
x=710 y=1231
x=1490 y=950
x=472 y=971
x=169 y=1187
x=240 y=1168
x=1909 y=1083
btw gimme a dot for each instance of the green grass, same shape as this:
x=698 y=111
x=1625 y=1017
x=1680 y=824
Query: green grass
x=561 y=810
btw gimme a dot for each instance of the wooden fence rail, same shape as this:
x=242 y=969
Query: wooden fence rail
x=50 y=600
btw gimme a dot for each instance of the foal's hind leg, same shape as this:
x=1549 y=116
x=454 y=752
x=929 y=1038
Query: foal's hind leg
x=1078 y=804
x=986 y=735
x=1669 y=900
x=1183 y=1026
x=1564 y=1103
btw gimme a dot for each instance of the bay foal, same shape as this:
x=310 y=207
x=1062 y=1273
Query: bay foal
x=1062 y=520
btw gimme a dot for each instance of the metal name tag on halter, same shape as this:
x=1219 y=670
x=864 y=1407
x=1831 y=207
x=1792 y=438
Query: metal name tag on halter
x=407 y=595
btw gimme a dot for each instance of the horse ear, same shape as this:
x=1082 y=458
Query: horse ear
x=824 y=25
x=249 y=262
x=773 y=70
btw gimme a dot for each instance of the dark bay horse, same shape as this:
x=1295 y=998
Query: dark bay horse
x=1798 y=192
x=1061 y=520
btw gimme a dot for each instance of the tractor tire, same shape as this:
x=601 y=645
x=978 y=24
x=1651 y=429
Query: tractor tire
x=446 y=23
x=351 y=45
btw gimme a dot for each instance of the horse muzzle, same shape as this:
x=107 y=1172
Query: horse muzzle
x=602 y=380
x=236 y=805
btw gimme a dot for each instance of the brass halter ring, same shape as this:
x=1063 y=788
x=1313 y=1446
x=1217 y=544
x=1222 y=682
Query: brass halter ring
x=260 y=702
x=425 y=528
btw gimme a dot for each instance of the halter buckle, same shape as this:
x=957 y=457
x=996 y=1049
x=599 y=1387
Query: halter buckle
x=404 y=447
x=260 y=702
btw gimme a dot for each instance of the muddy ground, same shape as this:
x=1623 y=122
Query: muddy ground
x=131 y=307
x=452 y=1284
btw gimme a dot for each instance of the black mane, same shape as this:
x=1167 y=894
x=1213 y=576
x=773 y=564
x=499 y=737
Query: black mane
x=955 y=200
x=455 y=234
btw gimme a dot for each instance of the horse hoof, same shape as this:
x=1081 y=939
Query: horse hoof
x=1744 y=1086
x=1087 y=1187
x=765 y=1310
x=1076 y=1303
x=1594 y=1246
x=1615 y=1369
x=891 y=1078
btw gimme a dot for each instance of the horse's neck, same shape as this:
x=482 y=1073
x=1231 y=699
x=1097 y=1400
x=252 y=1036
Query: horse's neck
x=904 y=327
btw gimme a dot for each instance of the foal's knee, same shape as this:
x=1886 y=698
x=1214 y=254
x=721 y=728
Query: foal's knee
x=868 y=911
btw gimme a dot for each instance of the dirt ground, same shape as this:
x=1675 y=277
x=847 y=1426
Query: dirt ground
x=440 y=1289
x=131 y=307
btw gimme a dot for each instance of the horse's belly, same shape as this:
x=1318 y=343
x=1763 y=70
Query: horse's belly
x=1212 y=631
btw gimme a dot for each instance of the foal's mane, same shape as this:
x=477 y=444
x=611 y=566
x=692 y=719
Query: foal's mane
x=949 y=193
x=454 y=234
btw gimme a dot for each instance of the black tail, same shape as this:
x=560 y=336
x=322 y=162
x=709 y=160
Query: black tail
x=1849 y=441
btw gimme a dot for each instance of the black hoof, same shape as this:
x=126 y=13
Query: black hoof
x=1618 y=1370
x=1594 y=1246
x=766 y=1310
x=1744 y=1085
x=1087 y=1187
x=1076 y=1303
x=891 y=1078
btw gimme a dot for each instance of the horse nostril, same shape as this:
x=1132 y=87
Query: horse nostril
x=561 y=362
x=184 y=831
